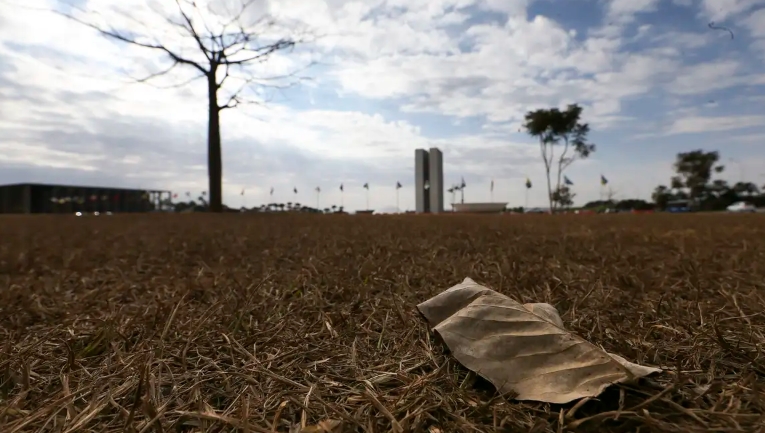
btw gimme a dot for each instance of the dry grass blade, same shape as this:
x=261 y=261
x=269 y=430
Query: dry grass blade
x=264 y=323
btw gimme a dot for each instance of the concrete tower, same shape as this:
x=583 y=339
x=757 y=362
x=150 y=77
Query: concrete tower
x=421 y=168
x=436 y=179
x=429 y=180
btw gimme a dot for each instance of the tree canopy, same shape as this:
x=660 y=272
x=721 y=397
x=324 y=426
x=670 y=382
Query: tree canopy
x=553 y=128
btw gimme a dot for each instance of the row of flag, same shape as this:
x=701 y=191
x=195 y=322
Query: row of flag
x=461 y=186
x=566 y=181
x=318 y=189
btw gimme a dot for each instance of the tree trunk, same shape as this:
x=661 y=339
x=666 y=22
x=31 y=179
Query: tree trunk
x=214 y=154
x=544 y=148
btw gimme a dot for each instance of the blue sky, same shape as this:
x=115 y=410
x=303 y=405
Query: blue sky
x=393 y=76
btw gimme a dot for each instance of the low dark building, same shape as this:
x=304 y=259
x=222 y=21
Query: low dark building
x=26 y=198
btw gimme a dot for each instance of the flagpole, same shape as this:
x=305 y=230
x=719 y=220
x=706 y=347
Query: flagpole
x=398 y=209
x=367 y=198
x=318 y=193
x=526 y=202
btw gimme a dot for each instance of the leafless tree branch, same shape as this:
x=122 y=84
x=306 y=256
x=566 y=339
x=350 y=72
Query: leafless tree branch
x=147 y=80
x=114 y=34
x=189 y=26
x=228 y=46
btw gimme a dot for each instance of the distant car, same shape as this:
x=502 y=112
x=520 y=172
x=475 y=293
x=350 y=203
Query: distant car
x=79 y=214
x=742 y=206
x=535 y=210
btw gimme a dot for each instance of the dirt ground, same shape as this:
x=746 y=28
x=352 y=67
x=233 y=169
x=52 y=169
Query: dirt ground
x=220 y=323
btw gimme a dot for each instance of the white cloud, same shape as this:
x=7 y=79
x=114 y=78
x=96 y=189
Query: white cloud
x=68 y=104
x=755 y=23
x=624 y=10
x=714 y=124
x=719 y=10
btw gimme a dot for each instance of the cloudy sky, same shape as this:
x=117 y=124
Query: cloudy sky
x=387 y=77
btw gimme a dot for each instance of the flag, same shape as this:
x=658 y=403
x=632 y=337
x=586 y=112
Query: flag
x=567 y=181
x=272 y=191
x=341 y=187
x=462 y=185
x=366 y=186
x=295 y=190
x=603 y=180
x=450 y=190
x=492 y=185
x=175 y=195
x=188 y=194
x=528 y=183
x=398 y=185
x=318 y=189
x=242 y=192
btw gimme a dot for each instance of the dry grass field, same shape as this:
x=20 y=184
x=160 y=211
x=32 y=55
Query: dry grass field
x=222 y=323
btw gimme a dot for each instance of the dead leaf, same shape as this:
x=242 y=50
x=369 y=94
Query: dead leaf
x=523 y=349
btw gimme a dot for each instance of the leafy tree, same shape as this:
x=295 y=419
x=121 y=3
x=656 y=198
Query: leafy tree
x=633 y=204
x=747 y=189
x=661 y=196
x=555 y=128
x=563 y=197
x=719 y=187
x=694 y=171
x=226 y=43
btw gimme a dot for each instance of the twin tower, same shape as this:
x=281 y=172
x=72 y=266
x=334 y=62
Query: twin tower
x=429 y=180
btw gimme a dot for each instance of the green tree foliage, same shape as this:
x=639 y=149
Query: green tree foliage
x=694 y=171
x=746 y=189
x=563 y=197
x=694 y=182
x=555 y=128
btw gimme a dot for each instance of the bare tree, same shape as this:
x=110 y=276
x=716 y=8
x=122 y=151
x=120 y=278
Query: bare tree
x=226 y=42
